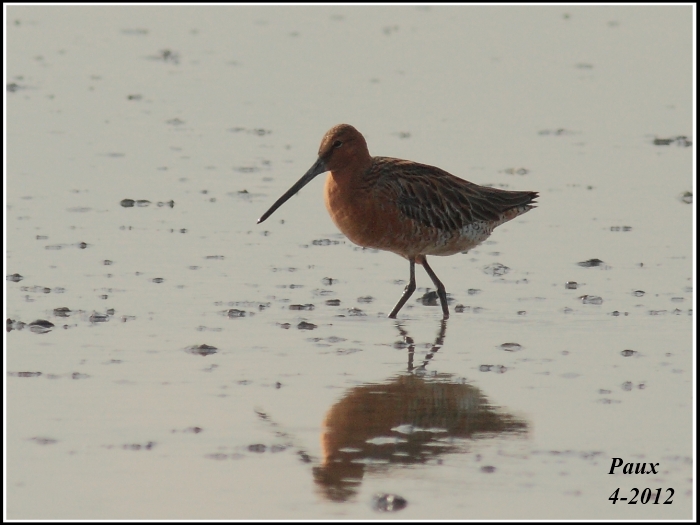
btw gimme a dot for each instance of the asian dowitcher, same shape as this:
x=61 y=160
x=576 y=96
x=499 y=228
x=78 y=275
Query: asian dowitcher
x=411 y=209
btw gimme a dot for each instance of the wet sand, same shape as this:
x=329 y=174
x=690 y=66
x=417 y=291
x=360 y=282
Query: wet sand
x=167 y=358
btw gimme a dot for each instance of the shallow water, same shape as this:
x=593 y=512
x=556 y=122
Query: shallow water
x=201 y=366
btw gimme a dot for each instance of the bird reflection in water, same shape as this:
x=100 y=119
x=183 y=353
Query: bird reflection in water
x=409 y=419
x=408 y=342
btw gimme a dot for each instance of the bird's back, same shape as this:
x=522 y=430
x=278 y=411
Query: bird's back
x=416 y=209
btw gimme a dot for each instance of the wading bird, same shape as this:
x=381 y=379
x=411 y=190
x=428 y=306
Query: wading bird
x=411 y=209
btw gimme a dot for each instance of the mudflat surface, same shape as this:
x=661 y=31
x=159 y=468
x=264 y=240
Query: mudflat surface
x=168 y=358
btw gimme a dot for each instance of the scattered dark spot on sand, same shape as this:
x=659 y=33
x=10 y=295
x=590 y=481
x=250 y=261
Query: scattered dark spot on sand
x=516 y=171
x=260 y=132
x=511 y=347
x=430 y=298
x=130 y=203
x=99 y=318
x=11 y=324
x=303 y=325
x=305 y=458
x=680 y=140
x=201 y=350
x=591 y=263
x=43 y=440
x=495 y=269
x=138 y=446
x=324 y=242
x=591 y=299
x=13 y=87
x=347 y=351
x=24 y=374
x=216 y=455
x=388 y=502
x=166 y=55
x=15 y=278
x=40 y=326
x=301 y=307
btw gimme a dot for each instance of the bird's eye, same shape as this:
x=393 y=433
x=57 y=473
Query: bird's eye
x=337 y=144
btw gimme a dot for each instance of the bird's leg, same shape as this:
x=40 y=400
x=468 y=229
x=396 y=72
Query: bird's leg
x=440 y=287
x=407 y=292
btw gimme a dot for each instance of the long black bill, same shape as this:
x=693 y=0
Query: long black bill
x=318 y=168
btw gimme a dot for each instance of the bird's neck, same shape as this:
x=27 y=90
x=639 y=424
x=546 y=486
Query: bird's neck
x=350 y=177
